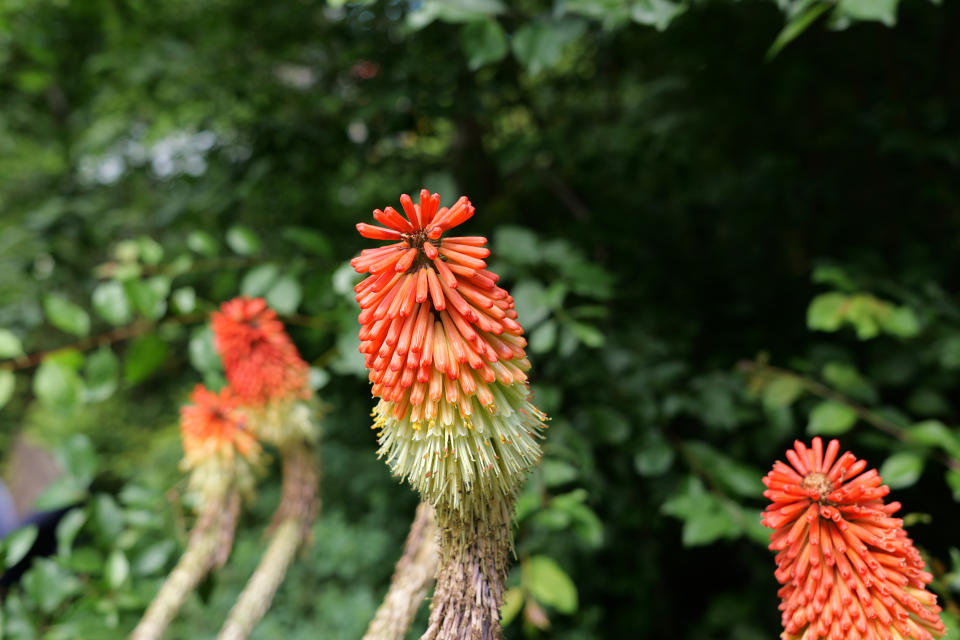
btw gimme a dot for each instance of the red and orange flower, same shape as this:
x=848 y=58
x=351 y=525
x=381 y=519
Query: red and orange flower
x=213 y=426
x=445 y=354
x=847 y=567
x=434 y=322
x=259 y=359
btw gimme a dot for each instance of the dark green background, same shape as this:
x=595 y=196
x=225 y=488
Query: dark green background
x=663 y=203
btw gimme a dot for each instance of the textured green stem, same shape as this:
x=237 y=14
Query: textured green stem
x=209 y=543
x=291 y=525
x=412 y=578
x=474 y=549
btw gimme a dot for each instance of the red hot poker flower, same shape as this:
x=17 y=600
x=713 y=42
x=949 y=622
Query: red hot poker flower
x=847 y=567
x=434 y=322
x=259 y=359
x=215 y=425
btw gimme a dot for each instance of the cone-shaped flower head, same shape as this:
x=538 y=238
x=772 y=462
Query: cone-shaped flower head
x=265 y=370
x=445 y=355
x=259 y=359
x=847 y=567
x=219 y=448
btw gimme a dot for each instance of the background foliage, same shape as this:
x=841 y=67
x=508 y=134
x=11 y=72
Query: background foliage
x=726 y=224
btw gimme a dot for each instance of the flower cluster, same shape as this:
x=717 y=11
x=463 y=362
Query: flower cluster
x=264 y=369
x=219 y=448
x=847 y=567
x=260 y=360
x=445 y=353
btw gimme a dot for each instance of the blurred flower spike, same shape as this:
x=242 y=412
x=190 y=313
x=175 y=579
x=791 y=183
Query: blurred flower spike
x=264 y=369
x=214 y=428
x=445 y=354
x=260 y=360
x=847 y=567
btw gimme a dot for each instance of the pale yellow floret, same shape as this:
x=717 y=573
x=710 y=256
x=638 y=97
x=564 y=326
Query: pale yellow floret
x=461 y=460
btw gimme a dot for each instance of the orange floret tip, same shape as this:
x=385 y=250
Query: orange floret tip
x=259 y=359
x=847 y=567
x=431 y=311
x=213 y=424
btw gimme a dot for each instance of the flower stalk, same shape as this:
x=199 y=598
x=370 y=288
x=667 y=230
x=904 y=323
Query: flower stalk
x=263 y=365
x=290 y=529
x=221 y=455
x=412 y=578
x=446 y=357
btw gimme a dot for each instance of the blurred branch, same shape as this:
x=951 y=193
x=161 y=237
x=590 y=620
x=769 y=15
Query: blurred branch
x=138 y=328
x=864 y=413
x=411 y=579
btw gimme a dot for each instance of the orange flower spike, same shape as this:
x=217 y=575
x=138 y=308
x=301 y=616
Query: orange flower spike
x=214 y=425
x=432 y=334
x=847 y=568
x=259 y=359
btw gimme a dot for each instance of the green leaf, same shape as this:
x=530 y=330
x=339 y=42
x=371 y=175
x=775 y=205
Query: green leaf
x=953 y=481
x=782 y=391
x=733 y=475
x=10 y=346
x=66 y=315
x=18 y=544
x=7 y=384
x=797 y=26
x=202 y=351
x=67 y=531
x=154 y=558
x=243 y=240
x=48 y=585
x=656 y=13
x=77 y=457
x=285 y=294
x=706 y=519
x=310 y=240
x=543 y=337
x=557 y=472
x=539 y=45
x=933 y=433
x=101 y=373
x=149 y=296
x=901 y=322
x=549 y=584
x=512 y=603
x=519 y=244
x=144 y=356
x=588 y=334
x=118 y=568
x=845 y=377
x=884 y=11
x=655 y=455
x=203 y=243
x=184 y=299
x=825 y=312
x=831 y=418
x=453 y=11
x=902 y=469
x=108 y=516
x=484 y=42
x=56 y=385
x=150 y=250
x=258 y=280
x=530 y=299
x=111 y=303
